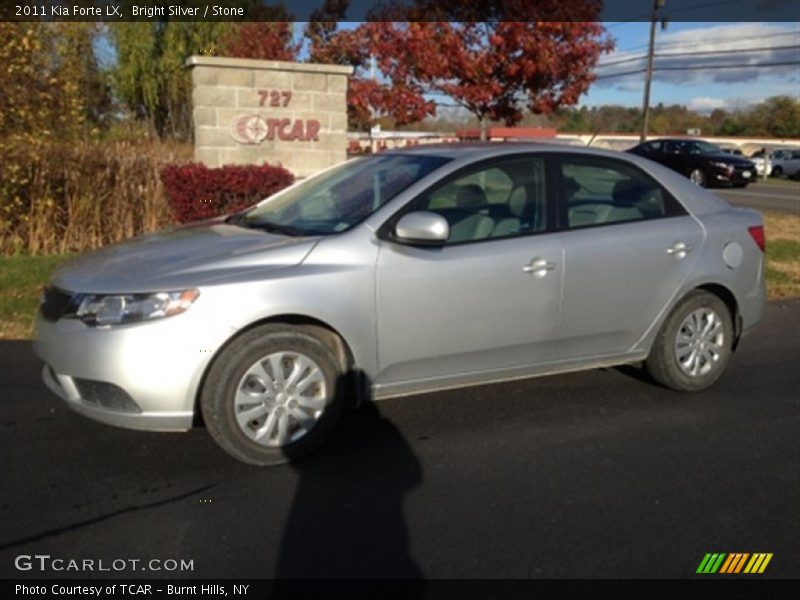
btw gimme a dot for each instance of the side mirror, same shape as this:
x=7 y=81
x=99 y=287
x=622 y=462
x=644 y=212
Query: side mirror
x=422 y=228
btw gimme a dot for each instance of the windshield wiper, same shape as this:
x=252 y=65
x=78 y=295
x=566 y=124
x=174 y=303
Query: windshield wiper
x=236 y=219
x=275 y=228
x=240 y=220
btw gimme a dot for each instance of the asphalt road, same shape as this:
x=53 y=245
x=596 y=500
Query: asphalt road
x=764 y=196
x=596 y=474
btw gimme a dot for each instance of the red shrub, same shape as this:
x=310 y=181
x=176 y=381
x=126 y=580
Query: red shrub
x=198 y=192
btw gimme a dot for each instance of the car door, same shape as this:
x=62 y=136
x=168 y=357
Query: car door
x=485 y=301
x=792 y=164
x=628 y=246
x=676 y=156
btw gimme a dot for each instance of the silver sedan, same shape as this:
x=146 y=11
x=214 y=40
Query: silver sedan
x=400 y=273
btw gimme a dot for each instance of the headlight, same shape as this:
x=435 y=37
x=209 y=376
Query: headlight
x=117 y=309
x=722 y=165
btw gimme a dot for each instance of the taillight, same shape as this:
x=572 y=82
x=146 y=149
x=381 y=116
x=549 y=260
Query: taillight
x=757 y=233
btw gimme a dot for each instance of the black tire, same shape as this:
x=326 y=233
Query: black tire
x=776 y=172
x=228 y=371
x=662 y=363
x=699 y=177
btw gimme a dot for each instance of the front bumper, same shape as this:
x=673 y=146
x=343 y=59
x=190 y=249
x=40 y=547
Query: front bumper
x=140 y=376
x=64 y=386
x=737 y=176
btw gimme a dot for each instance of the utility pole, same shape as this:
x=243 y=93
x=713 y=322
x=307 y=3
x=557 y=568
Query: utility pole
x=649 y=74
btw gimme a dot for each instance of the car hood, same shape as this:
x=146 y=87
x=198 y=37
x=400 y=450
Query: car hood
x=730 y=158
x=205 y=253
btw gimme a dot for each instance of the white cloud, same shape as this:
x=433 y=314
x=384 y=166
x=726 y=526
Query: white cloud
x=705 y=104
x=721 y=38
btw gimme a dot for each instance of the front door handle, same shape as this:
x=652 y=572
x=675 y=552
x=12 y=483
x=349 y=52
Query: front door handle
x=539 y=267
x=679 y=250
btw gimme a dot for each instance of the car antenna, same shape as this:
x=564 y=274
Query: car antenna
x=594 y=135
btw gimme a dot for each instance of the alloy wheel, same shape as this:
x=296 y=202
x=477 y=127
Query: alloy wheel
x=699 y=342
x=698 y=177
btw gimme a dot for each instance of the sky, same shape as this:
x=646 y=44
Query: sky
x=703 y=89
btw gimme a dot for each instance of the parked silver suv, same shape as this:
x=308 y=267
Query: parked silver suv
x=400 y=273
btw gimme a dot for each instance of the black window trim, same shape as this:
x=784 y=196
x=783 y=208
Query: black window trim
x=673 y=206
x=386 y=230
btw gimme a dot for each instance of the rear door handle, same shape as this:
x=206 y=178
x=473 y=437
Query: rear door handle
x=679 y=249
x=538 y=267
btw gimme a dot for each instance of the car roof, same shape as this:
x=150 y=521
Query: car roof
x=678 y=139
x=478 y=150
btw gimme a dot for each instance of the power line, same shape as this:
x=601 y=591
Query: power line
x=699 y=53
x=716 y=39
x=784 y=63
x=702 y=68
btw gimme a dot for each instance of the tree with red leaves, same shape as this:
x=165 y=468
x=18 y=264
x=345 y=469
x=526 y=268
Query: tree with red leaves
x=492 y=69
x=270 y=36
x=367 y=97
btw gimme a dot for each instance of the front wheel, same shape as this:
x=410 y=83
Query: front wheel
x=694 y=344
x=698 y=177
x=776 y=172
x=273 y=395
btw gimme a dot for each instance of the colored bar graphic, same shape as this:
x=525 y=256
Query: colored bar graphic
x=734 y=563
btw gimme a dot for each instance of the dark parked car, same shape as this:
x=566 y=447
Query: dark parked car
x=703 y=163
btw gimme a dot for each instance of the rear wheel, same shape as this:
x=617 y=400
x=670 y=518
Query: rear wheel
x=273 y=395
x=694 y=344
x=698 y=177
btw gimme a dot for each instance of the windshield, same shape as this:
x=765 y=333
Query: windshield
x=342 y=197
x=704 y=148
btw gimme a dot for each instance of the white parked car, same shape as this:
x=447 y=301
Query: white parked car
x=785 y=162
x=762 y=163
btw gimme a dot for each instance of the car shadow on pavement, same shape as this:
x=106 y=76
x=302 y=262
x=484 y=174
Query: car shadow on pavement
x=347 y=518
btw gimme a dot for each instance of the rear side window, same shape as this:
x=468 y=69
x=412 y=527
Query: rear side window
x=596 y=191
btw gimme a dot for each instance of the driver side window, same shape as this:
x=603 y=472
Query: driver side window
x=506 y=199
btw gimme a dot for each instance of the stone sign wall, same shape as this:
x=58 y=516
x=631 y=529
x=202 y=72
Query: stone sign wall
x=256 y=111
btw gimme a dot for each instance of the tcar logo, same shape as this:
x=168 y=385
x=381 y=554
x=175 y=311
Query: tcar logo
x=252 y=129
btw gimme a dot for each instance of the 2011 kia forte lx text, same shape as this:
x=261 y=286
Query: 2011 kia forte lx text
x=399 y=273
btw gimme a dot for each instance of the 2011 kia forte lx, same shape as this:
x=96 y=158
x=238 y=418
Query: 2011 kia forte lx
x=404 y=272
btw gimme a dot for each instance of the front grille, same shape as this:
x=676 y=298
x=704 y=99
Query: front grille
x=55 y=303
x=106 y=395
